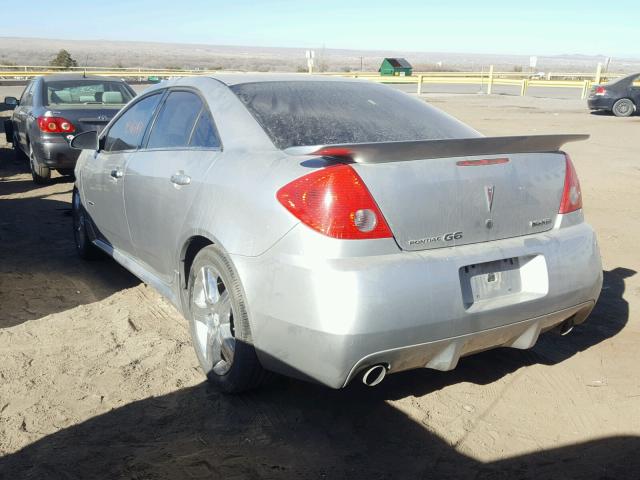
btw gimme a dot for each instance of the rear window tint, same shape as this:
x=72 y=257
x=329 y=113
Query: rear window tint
x=297 y=113
x=78 y=92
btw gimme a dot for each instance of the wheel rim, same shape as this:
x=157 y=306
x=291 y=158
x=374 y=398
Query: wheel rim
x=623 y=108
x=213 y=321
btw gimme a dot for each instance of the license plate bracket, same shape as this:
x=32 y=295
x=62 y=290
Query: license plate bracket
x=489 y=280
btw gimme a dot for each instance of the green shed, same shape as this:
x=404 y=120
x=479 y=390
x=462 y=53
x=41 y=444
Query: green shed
x=395 y=66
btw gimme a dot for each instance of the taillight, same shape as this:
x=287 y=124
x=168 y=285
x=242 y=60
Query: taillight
x=55 y=125
x=601 y=90
x=335 y=202
x=572 y=195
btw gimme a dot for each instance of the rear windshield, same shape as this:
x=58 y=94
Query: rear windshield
x=81 y=92
x=298 y=113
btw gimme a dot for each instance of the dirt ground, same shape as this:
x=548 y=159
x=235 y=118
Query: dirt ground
x=98 y=378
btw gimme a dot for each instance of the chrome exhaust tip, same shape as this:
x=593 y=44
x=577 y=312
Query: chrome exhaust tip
x=374 y=375
x=565 y=327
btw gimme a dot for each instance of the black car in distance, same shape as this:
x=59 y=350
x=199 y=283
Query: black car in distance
x=622 y=96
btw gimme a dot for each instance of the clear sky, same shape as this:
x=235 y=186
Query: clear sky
x=533 y=27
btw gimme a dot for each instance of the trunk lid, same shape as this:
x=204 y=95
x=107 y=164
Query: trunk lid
x=443 y=193
x=444 y=202
x=86 y=118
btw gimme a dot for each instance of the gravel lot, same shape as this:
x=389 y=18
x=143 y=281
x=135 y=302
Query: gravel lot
x=98 y=378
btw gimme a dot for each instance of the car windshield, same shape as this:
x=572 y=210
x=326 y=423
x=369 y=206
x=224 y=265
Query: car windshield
x=69 y=92
x=298 y=113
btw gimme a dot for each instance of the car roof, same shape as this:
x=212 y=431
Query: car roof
x=231 y=79
x=76 y=76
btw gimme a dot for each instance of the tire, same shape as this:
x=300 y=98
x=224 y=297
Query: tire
x=623 y=108
x=219 y=324
x=40 y=174
x=85 y=248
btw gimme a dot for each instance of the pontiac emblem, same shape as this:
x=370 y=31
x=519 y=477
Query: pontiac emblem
x=489 y=190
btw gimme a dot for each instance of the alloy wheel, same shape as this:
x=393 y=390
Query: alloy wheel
x=213 y=320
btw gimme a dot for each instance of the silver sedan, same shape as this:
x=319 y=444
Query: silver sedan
x=329 y=229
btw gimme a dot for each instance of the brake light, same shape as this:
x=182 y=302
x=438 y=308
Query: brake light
x=335 y=202
x=55 y=125
x=572 y=195
x=601 y=90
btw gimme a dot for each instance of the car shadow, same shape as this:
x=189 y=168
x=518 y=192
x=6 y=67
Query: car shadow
x=293 y=429
x=40 y=272
x=602 y=113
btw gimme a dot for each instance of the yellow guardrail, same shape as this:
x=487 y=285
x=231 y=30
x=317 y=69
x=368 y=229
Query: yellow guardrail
x=488 y=79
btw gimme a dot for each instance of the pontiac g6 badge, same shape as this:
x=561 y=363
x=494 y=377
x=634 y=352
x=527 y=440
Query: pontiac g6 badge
x=489 y=190
x=445 y=237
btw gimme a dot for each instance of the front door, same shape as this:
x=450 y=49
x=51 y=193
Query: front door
x=163 y=179
x=103 y=176
x=21 y=116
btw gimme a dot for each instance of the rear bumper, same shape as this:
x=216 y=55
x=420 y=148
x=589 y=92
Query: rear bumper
x=56 y=153
x=325 y=319
x=600 y=103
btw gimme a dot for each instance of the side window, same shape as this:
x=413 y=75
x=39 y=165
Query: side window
x=173 y=126
x=27 y=95
x=204 y=134
x=127 y=132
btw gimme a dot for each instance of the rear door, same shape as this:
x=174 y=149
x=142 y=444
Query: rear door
x=162 y=180
x=634 y=89
x=103 y=175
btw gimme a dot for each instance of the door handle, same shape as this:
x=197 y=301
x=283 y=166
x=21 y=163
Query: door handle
x=180 y=178
x=117 y=173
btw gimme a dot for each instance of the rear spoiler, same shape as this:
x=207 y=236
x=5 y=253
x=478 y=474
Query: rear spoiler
x=383 y=152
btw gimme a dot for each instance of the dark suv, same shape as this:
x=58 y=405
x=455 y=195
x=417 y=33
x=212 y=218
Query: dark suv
x=52 y=109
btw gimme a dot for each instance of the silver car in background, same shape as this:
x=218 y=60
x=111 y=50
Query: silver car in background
x=327 y=229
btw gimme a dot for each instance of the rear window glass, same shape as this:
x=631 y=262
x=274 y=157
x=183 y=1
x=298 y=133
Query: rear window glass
x=79 y=92
x=298 y=113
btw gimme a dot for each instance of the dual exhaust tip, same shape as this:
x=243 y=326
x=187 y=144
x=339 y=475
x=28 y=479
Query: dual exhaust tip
x=374 y=375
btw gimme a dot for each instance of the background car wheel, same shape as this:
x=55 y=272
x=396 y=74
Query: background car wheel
x=85 y=248
x=220 y=325
x=40 y=174
x=623 y=108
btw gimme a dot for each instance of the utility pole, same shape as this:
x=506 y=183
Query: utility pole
x=362 y=64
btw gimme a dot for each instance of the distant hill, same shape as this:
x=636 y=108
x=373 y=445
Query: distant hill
x=38 y=51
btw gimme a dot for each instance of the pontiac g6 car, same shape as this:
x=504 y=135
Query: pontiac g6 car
x=329 y=229
x=55 y=107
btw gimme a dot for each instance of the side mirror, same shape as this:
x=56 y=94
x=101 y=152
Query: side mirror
x=11 y=102
x=85 y=141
